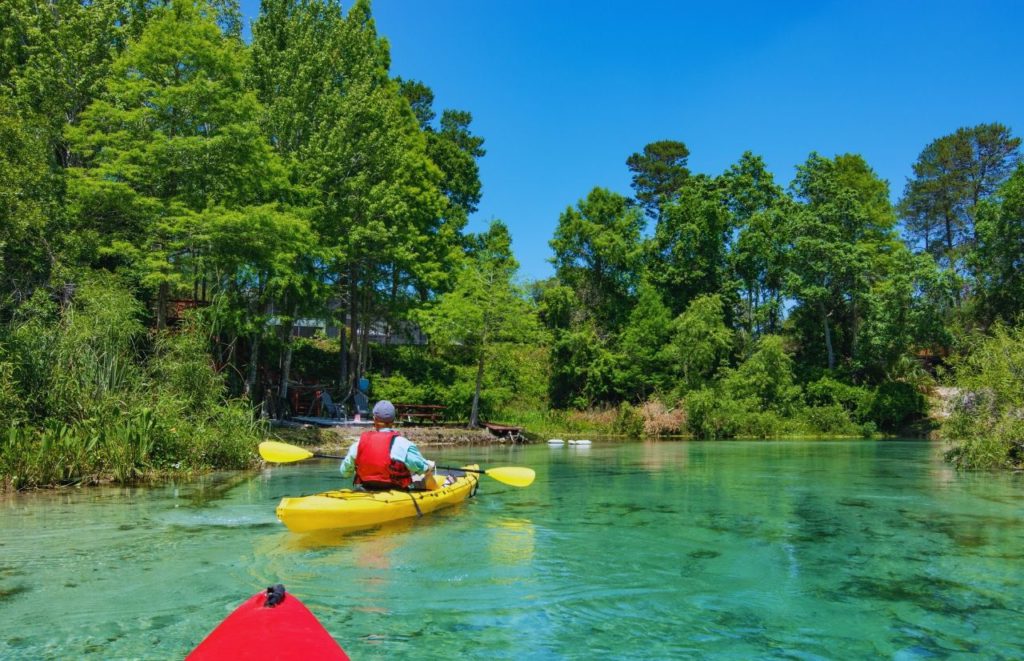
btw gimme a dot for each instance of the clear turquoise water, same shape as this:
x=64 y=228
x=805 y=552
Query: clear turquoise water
x=806 y=550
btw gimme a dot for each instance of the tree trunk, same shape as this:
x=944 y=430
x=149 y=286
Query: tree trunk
x=286 y=370
x=343 y=355
x=286 y=367
x=394 y=304
x=474 y=413
x=750 y=311
x=348 y=326
x=828 y=337
x=366 y=322
x=254 y=356
x=853 y=328
x=163 y=293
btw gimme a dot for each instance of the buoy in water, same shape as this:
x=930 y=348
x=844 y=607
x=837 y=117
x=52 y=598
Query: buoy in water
x=556 y=441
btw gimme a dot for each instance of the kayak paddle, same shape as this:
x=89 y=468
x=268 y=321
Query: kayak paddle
x=283 y=453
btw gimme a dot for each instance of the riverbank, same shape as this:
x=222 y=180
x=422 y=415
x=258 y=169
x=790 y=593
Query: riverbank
x=336 y=440
x=650 y=420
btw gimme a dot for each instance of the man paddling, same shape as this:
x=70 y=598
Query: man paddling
x=383 y=459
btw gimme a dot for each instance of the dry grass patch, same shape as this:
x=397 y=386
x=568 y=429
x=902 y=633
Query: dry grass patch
x=660 y=420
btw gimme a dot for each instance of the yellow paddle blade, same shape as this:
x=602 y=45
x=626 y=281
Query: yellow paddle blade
x=517 y=476
x=282 y=453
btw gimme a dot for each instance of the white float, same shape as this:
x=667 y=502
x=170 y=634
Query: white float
x=556 y=441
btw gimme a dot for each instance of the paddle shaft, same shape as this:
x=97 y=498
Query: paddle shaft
x=326 y=456
x=278 y=452
x=447 y=468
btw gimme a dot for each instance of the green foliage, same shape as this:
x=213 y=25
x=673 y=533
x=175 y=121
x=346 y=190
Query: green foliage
x=842 y=236
x=700 y=342
x=598 y=254
x=686 y=257
x=181 y=368
x=485 y=313
x=169 y=149
x=80 y=361
x=710 y=415
x=295 y=178
x=99 y=402
x=629 y=421
x=999 y=255
x=642 y=347
x=986 y=423
x=758 y=256
x=28 y=210
x=582 y=369
x=896 y=405
x=399 y=388
x=856 y=401
x=765 y=378
x=830 y=419
x=659 y=173
x=952 y=175
x=10 y=402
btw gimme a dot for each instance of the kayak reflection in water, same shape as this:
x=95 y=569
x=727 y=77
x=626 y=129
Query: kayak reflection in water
x=383 y=459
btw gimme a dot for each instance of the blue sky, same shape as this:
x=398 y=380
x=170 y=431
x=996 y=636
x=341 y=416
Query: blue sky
x=563 y=92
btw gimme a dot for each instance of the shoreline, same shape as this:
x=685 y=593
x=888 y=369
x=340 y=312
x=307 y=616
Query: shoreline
x=336 y=440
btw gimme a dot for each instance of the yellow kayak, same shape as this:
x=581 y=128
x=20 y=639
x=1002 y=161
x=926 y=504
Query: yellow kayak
x=347 y=508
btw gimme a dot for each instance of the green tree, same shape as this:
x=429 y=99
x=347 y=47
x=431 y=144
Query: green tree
x=265 y=259
x=454 y=149
x=687 y=256
x=766 y=379
x=760 y=212
x=598 y=254
x=843 y=228
x=485 y=312
x=583 y=367
x=659 y=172
x=66 y=55
x=700 y=343
x=29 y=207
x=998 y=261
x=642 y=346
x=902 y=312
x=952 y=175
x=173 y=138
x=379 y=208
x=294 y=72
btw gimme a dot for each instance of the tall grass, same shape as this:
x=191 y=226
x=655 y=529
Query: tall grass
x=94 y=397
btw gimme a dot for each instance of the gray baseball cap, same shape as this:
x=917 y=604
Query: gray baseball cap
x=384 y=410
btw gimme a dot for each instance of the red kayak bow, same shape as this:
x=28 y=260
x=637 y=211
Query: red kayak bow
x=270 y=625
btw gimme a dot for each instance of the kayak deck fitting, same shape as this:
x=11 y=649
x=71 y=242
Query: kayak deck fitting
x=269 y=625
x=347 y=508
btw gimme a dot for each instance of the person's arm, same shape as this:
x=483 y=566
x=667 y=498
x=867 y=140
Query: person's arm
x=413 y=455
x=406 y=451
x=348 y=464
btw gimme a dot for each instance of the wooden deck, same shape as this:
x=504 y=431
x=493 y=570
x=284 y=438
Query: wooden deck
x=507 y=432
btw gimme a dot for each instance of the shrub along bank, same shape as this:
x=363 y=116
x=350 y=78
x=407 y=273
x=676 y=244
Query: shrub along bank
x=89 y=395
x=986 y=423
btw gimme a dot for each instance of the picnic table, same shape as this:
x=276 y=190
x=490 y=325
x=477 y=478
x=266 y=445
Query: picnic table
x=419 y=412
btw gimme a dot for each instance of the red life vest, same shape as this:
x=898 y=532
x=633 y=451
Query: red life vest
x=375 y=469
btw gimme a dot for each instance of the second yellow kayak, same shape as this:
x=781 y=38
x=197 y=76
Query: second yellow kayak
x=346 y=508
